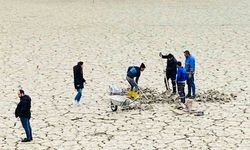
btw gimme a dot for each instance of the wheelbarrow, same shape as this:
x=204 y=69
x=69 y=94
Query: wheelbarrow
x=123 y=102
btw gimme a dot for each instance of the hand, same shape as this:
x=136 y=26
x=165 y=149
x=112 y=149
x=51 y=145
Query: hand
x=160 y=54
x=189 y=75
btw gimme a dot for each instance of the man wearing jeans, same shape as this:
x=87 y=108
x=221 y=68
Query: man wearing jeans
x=78 y=81
x=190 y=68
x=134 y=72
x=23 y=112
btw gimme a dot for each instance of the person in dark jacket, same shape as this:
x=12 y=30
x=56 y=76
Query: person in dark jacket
x=78 y=81
x=23 y=112
x=133 y=75
x=170 y=70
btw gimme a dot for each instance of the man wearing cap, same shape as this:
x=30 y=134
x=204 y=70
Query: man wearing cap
x=133 y=75
x=190 y=68
x=171 y=70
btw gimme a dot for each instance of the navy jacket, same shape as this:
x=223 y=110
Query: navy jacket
x=78 y=77
x=171 y=65
x=23 y=107
x=134 y=72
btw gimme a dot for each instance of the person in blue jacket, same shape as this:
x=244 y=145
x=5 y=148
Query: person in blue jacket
x=190 y=69
x=181 y=79
x=133 y=75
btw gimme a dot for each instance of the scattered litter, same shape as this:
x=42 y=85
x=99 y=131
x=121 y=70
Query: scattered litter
x=151 y=96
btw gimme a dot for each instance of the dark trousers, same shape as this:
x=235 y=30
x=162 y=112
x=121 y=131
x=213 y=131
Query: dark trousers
x=26 y=125
x=191 y=86
x=173 y=81
x=181 y=91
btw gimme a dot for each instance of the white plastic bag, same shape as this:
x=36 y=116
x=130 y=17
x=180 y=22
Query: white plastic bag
x=115 y=90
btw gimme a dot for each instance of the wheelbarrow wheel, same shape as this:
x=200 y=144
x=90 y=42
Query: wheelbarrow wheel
x=113 y=107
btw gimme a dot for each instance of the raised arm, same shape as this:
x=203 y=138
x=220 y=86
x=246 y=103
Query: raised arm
x=163 y=56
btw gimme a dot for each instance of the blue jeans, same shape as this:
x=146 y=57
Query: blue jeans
x=191 y=85
x=132 y=83
x=78 y=95
x=26 y=125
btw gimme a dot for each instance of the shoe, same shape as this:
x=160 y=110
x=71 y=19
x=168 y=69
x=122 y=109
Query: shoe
x=186 y=110
x=188 y=96
x=192 y=97
x=25 y=140
x=183 y=106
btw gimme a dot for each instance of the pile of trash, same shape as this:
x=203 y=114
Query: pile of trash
x=127 y=99
x=150 y=96
x=214 y=96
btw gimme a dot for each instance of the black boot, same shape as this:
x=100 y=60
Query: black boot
x=174 y=89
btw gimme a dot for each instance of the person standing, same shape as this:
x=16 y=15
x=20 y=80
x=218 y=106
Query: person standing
x=190 y=68
x=23 y=112
x=134 y=72
x=170 y=70
x=181 y=79
x=78 y=81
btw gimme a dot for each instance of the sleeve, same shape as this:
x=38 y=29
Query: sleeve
x=178 y=75
x=24 y=109
x=26 y=105
x=192 y=64
x=185 y=74
x=175 y=61
x=137 y=79
x=175 y=64
x=74 y=72
x=128 y=69
x=164 y=56
x=138 y=75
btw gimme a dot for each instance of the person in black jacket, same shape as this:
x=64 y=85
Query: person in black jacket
x=78 y=81
x=23 y=112
x=171 y=70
